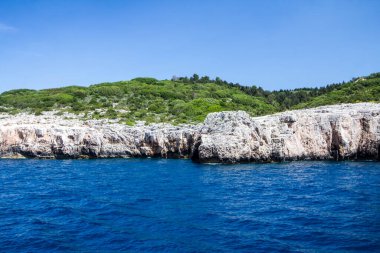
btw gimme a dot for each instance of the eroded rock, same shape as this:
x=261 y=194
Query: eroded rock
x=347 y=131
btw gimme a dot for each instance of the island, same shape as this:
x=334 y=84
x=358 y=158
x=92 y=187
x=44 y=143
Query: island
x=208 y=121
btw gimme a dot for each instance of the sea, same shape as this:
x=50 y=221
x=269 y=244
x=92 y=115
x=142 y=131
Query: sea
x=168 y=205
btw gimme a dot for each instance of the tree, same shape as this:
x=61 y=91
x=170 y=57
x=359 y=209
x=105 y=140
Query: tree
x=194 y=78
x=204 y=79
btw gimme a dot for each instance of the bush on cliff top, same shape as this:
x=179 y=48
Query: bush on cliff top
x=183 y=99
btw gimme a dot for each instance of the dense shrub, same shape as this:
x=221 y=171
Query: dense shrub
x=183 y=99
x=107 y=91
x=147 y=80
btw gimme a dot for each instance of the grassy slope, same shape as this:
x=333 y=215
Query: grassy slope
x=364 y=89
x=181 y=102
x=139 y=99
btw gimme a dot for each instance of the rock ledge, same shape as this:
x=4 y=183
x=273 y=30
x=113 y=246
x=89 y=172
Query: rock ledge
x=346 y=131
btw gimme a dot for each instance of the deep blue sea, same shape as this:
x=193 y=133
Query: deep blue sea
x=158 y=205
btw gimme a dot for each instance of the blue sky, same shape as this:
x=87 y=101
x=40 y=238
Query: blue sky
x=274 y=44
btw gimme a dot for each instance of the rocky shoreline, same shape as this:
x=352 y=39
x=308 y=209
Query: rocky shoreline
x=338 y=132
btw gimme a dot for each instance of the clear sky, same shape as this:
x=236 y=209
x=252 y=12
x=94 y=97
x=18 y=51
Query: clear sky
x=273 y=44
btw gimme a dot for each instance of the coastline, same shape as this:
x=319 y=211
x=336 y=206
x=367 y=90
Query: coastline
x=337 y=132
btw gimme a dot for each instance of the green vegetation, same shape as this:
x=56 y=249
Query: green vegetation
x=362 y=89
x=183 y=99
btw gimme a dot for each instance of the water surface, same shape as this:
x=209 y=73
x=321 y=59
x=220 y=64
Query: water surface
x=153 y=205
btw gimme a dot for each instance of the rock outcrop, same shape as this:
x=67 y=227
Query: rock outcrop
x=347 y=131
x=350 y=131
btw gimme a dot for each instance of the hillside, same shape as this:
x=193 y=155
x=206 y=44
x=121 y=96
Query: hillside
x=362 y=89
x=181 y=100
x=139 y=99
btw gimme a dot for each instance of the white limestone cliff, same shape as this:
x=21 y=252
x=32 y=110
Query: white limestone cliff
x=350 y=131
x=347 y=131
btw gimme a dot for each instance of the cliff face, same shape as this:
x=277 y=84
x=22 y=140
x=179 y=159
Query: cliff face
x=350 y=131
x=56 y=138
x=331 y=132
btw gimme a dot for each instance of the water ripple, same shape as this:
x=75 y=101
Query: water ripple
x=157 y=205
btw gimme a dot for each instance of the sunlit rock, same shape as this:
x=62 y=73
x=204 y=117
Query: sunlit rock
x=347 y=131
